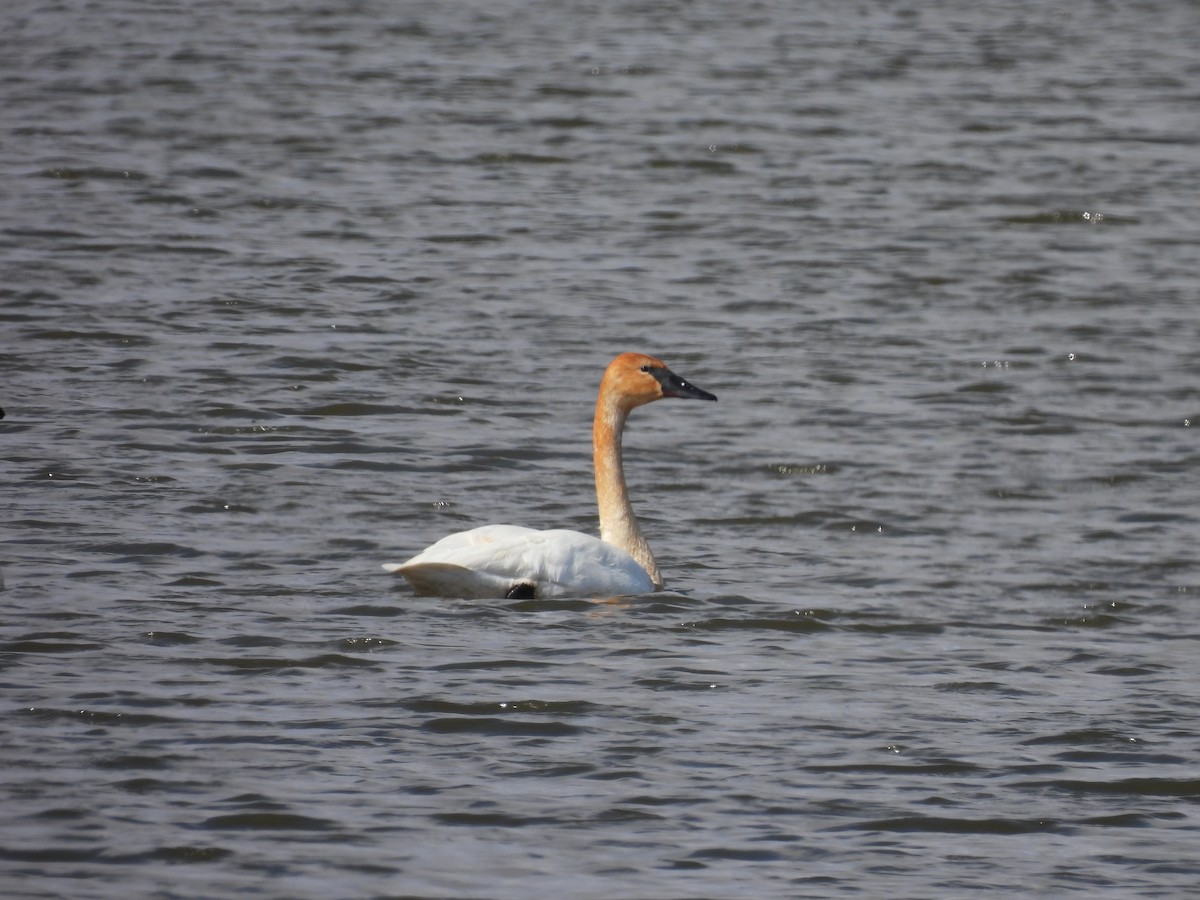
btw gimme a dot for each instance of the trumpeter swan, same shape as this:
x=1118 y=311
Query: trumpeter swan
x=496 y=561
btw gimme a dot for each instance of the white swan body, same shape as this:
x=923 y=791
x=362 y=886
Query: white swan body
x=496 y=561
x=492 y=560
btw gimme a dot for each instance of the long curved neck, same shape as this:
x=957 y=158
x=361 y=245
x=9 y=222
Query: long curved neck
x=618 y=524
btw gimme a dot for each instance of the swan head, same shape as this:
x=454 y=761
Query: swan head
x=636 y=379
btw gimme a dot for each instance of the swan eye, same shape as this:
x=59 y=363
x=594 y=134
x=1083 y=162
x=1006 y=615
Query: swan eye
x=645 y=368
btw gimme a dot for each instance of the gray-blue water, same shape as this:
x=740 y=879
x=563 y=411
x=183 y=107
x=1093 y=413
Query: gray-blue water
x=291 y=289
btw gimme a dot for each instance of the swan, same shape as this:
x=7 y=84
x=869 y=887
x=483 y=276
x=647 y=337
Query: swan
x=509 y=561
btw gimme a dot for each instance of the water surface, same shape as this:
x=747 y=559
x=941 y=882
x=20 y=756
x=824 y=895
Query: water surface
x=290 y=290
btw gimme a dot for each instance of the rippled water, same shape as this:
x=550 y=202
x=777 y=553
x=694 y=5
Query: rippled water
x=293 y=289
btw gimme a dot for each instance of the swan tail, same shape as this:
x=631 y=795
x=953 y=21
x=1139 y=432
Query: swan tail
x=434 y=579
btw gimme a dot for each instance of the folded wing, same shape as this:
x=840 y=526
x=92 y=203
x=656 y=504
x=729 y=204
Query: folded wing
x=488 y=562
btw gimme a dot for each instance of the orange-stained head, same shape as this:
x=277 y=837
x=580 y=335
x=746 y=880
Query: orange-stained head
x=634 y=379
